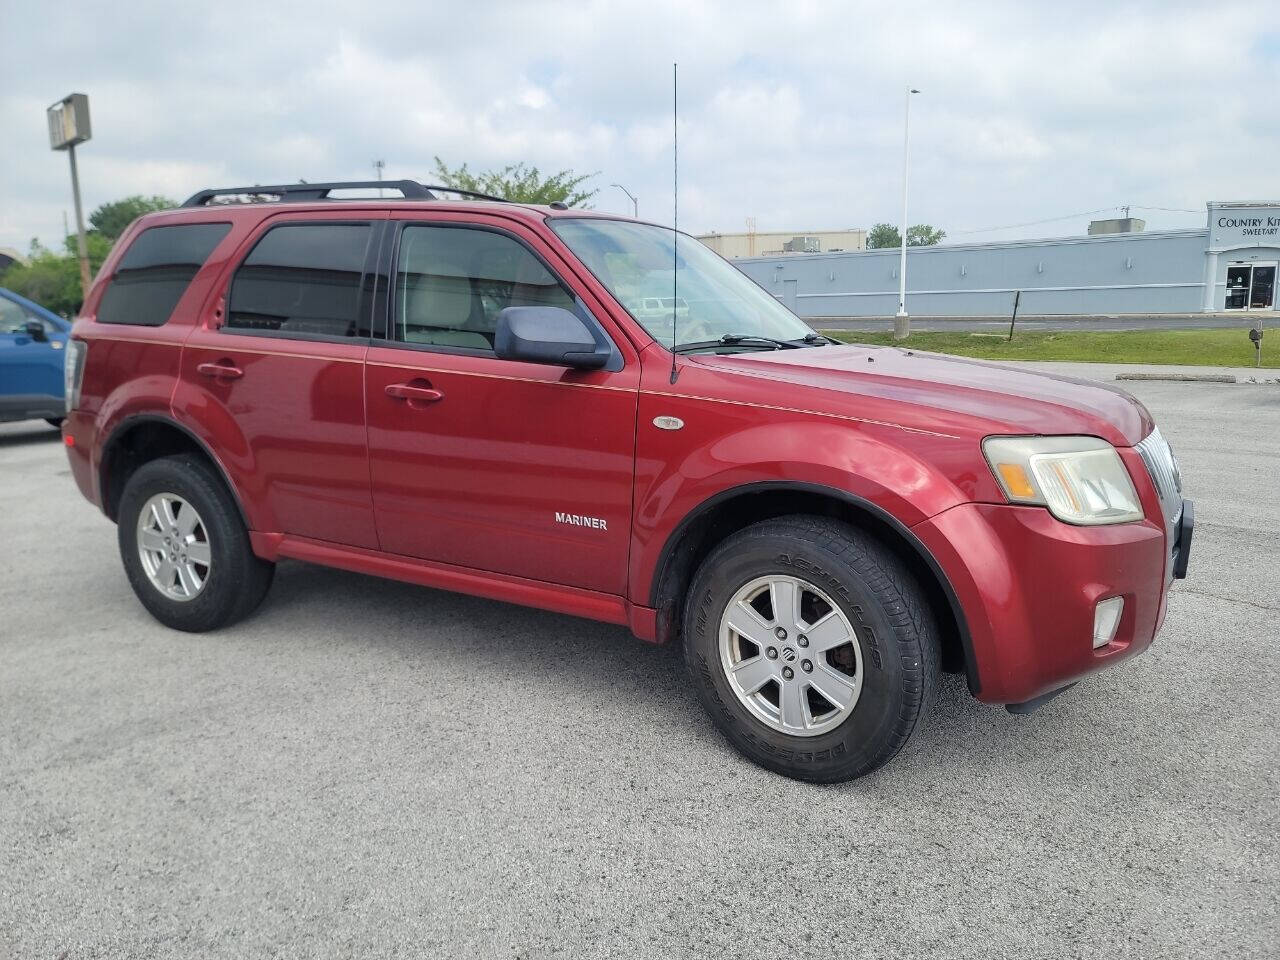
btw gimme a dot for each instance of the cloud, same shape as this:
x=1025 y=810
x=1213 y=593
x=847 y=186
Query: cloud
x=789 y=113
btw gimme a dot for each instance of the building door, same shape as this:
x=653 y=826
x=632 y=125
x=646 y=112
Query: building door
x=791 y=295
x=1251 y=286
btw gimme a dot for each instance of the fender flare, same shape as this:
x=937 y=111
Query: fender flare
x=901 y=530
x=135 y=420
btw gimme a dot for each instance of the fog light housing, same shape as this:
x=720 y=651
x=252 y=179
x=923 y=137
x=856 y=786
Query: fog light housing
x=1106 y=618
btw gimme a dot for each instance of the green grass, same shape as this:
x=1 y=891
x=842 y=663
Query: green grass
x=1210 y=348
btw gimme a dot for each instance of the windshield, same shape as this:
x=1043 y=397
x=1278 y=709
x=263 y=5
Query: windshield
x=713 y=299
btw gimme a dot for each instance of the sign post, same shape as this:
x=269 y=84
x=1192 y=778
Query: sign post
x=68 y=126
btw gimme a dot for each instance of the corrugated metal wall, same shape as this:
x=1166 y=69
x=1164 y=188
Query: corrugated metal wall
x=1123 y=273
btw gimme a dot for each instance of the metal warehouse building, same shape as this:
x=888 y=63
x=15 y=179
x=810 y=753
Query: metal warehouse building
x=1230 y=265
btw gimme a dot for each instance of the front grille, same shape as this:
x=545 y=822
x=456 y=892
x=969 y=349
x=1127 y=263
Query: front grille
x=1163 y=469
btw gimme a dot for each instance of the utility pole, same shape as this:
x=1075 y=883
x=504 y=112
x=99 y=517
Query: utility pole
x=635 y=204
x=82 y=242
x=69 y=125
x=377 y=168
x=902 y=322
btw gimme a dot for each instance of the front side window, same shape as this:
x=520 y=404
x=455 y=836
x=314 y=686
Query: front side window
x=711 y=299
x=155 y=271
x=302 y=279
x=452 y=282
x=13 y=319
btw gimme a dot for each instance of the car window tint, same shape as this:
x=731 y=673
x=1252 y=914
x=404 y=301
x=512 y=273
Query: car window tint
x=303 y=279
x=452 y=282
x=155 y=271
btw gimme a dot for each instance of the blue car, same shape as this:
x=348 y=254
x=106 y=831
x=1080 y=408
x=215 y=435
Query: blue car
x=32 y=346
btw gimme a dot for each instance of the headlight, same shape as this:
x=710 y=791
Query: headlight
x=1081 y=480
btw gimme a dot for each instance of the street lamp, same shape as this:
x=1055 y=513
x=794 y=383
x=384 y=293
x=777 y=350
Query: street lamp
x=635 y=204
x=69 y=125
x=902 y=322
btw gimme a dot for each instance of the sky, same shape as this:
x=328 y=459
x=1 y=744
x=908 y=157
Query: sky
x=790 y=113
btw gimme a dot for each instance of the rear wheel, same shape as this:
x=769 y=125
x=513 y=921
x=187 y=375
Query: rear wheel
x=55 y=422
x=811 y=646
x=185 y=549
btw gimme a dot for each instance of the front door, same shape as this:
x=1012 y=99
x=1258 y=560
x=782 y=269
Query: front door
x=279 y=360
x=514 y=468
x=30 y=366
x=1251 y=286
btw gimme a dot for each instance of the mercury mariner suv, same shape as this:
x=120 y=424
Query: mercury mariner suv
x=599 y=416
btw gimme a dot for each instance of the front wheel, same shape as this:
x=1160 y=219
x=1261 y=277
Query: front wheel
x=185 y=548
x=812 y=647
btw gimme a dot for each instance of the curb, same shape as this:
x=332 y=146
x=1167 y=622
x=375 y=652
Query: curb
x=1180 y=377
x=1198 y=378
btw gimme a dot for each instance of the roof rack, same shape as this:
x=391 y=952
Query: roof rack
x=305 y=192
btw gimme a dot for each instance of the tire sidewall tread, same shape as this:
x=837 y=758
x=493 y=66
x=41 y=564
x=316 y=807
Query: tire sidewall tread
x=238 y=579
x=884 y=604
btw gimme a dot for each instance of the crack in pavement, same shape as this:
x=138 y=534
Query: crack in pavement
x=1216 y=596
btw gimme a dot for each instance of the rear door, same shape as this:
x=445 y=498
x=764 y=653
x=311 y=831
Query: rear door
x=510 y=467
x=277 y=367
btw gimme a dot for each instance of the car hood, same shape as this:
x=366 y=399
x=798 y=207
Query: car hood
x=955 y=395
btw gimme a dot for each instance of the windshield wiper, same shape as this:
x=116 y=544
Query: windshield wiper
x=816 y=340
x=736 y=338
x=754 y=340
x=730 y=340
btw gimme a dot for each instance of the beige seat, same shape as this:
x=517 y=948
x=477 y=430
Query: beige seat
x=436 y=308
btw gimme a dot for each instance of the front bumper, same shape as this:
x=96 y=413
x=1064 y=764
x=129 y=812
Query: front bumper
x=1028 y=585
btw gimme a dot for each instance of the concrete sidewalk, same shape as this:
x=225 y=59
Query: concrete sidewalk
x=1147 y=371
x=1053 y=324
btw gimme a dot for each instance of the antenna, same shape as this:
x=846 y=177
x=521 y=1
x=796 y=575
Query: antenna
x=675 y=211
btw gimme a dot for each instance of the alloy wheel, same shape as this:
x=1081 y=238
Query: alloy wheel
x=791 y=655
x=173 y=545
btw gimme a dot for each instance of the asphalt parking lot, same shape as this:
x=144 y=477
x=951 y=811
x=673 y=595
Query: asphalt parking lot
x=366 y=768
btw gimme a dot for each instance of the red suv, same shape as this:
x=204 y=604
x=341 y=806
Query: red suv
x=599 y=416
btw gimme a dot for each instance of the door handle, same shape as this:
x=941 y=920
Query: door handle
x=220 y=371
x=419 y=390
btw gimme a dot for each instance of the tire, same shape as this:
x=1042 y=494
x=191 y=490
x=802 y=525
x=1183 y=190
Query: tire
x=55 y=422
x=882 y=681
x=234 y=581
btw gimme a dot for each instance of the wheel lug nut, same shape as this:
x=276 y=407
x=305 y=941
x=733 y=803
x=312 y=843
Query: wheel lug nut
x=806 y=666
x=772 y=653
x=802 y=640
x=780 y=633
x=787 y=673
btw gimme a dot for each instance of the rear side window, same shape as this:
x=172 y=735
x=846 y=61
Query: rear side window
x=154 y=272
x=452 y=282
x=303 y=279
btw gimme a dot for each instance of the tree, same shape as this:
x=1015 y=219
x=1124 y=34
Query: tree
x=53 y=279
x=923 y=235
x=885 y=235
x=110 y=219
x=520 y=183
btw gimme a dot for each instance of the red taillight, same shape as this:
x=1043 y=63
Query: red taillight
x=69 y=440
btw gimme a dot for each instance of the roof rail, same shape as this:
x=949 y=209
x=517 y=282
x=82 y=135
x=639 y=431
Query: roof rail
x=304 y=192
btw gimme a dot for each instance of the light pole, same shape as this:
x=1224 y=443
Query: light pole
x=69 y=125
x=902 y=322
x=635 y=204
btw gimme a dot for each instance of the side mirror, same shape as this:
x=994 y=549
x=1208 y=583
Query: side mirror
x=549 y=335
x=35 y=330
